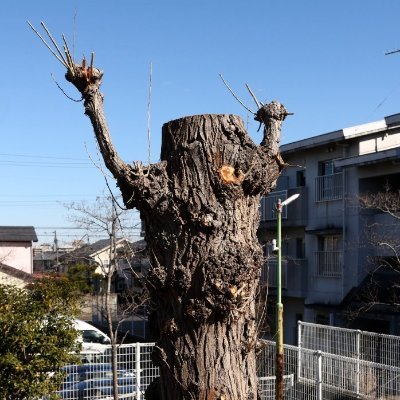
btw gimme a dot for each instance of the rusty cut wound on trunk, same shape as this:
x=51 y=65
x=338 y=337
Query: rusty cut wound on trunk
x=228 y=175
x=200 y=206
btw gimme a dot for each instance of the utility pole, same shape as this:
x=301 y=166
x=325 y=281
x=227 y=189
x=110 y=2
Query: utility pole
x=56 y=247
x=279 y=305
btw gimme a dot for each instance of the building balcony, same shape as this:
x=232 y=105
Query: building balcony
x=328 y=264
x=294 y=276
x=295 y=214
x=269 y=273
x=329 y=187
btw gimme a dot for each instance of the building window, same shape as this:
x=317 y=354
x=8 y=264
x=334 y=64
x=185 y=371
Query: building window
x=329 y=183
x=300 y=248
x=322 y=319
x=301 y=178
x=326 y=168
x=330 y=243
x=328 y=258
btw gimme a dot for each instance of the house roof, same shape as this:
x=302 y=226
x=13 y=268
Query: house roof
x=18 y=234
x=90 y=250
x=96 y=246
x=370 y=158
x=388 y=122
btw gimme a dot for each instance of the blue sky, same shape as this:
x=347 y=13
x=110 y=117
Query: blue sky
x=324 y=60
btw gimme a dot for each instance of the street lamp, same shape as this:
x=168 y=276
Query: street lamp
x=279 y=305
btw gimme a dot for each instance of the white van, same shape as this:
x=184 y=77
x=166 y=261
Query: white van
x=92 y=339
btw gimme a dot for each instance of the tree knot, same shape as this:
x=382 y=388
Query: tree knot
x=231 y=175
x=170 y=327
x=82 y=76
x=271 y=111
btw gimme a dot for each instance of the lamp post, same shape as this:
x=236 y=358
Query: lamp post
x=279 y=305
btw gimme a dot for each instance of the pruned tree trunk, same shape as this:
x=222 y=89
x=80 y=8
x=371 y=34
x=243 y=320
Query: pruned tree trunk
x=200 y=206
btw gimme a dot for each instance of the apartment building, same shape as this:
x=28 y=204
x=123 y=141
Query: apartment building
x=326 y=254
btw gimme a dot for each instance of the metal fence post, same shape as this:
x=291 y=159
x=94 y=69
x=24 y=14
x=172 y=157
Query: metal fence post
x=299 y=332
x=319 y=375
x=358 y=356
x=138 y=371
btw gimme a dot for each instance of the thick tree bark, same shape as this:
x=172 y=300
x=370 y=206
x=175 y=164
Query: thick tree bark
x=200 y=205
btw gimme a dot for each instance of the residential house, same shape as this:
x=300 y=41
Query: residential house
x=16 y=255
x=16 y=247
x=132 y=265
x=99 y=254
x=46 y=257
x=326 y=254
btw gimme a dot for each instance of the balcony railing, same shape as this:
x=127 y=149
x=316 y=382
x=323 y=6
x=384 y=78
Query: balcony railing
x=269 y=273
x=328 y=264
x=268 y=205
x=329 y=187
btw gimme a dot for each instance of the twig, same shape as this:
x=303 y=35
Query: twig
x=66 y=48
x=259 y=104
x=65 y=94
x=105 y=176
x=92 y=62
x=234 y=95
x=98 y=166
x=112 y=195
x=388 y=53
x=148 y=112
x=48 y=46
x=73 y=36
x=68 y=55
x=53 y=41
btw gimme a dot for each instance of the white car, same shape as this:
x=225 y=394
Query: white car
x=93 y=340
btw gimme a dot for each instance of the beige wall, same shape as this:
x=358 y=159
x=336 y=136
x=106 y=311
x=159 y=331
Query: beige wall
x=17 y=255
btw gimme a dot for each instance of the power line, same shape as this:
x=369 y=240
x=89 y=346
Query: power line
x=45 y=165
x=49 y=157
x=30 y=160
x=55 y=195
x=136 y=226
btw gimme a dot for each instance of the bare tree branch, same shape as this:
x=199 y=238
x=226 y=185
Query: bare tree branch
x=61 y=60
x=234 y=95
x=148 y=114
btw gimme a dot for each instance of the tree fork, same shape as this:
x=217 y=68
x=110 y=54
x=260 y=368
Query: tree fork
x=200 y=206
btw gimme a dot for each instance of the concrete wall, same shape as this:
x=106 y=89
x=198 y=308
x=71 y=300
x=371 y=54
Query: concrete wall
x=6 y=279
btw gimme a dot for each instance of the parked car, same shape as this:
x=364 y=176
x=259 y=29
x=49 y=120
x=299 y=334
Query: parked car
x=100 y=388
x=83 y=372
x=92 y=339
